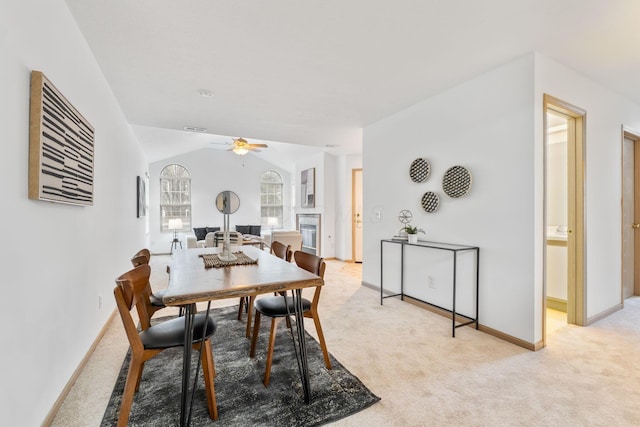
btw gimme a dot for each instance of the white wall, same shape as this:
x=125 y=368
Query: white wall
x=485 y=125
x=606 y=113
x=329 y=205
x=327 y=179
x=213 y=171
x=344 y=202
x=58 y=259
x=493 y=125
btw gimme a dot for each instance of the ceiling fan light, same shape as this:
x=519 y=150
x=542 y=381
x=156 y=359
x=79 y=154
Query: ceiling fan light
x=241 y=151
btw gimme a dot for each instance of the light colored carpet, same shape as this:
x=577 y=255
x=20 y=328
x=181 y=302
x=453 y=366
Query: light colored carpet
x=405 y=354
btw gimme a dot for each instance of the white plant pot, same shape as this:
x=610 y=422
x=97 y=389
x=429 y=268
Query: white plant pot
x=412 y=238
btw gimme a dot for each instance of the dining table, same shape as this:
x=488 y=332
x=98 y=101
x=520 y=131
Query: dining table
x=190 y=282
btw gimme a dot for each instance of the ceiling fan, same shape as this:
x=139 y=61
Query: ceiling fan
x=241 y=147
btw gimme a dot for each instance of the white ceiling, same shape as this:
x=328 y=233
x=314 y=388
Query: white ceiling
x=314 y=72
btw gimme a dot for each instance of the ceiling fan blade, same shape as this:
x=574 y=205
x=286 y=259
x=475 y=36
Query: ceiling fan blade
x=259 y=145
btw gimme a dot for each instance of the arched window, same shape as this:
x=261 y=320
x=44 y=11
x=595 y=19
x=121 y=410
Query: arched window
x=271 y=199
x=175 y=197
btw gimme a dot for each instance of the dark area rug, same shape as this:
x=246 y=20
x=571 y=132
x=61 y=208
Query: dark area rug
x=242 y=398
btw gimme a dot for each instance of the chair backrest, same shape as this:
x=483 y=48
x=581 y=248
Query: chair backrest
x=210 y=239
x=130 y=292
x=281 y=250
x=142 y=257
x=234 y=237
x=313 y=264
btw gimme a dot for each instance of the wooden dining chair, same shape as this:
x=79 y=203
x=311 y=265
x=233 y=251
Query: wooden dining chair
x=151 y=340
x=143 y=256
x=276 y=308
x=281 y=250
x=246 y=303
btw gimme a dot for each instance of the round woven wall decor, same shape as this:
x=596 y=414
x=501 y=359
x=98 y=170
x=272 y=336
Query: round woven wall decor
x=430 y=201
x=456 y=181
x=420 y=170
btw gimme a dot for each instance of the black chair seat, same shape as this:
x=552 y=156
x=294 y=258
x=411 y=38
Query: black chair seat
x=171 y=333
x=275 y=306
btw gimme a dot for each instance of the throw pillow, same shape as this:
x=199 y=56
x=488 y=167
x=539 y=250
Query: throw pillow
x=244 y=229
x=200 y=232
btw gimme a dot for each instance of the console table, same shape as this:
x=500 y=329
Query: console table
x=454 y=249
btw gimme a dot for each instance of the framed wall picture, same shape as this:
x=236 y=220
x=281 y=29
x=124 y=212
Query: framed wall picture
x=142 y=197
x=61 y=147
x=308 y=188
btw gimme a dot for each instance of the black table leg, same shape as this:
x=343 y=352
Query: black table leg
x=189 y=316
x=301 y=347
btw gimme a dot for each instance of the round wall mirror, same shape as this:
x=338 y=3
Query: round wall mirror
x=227 y=202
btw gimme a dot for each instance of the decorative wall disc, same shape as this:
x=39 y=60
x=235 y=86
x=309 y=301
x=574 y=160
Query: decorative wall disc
x=430 y=201
x=420 y=169
x=456 y=181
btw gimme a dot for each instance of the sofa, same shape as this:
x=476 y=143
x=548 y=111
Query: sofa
x=199 y=235
x=204 y=237
x=253 y=230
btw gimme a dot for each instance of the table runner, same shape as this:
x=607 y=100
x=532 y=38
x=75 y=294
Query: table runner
x=214 y=261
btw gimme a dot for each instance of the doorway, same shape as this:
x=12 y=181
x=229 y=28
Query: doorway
x=630 y=213
x=564 y=287
x=356 y=215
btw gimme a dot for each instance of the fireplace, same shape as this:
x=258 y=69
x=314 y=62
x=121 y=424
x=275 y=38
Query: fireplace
x=309 y=227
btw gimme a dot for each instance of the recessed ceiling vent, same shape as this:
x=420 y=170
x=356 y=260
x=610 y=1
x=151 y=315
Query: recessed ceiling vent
x=194 y=129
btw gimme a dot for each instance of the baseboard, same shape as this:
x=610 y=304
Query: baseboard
x=74 y=377
x=511 y=339
x=487 y=330
x=593 y=319
x=377 y=288
x=370 y=286
x=557 y=304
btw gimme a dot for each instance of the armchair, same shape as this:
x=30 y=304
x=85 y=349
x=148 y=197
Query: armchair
x=292 y=238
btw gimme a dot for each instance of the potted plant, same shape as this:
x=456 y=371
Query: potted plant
x=412 y=232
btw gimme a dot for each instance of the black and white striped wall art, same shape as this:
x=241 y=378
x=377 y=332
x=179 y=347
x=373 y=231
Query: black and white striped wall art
x=61 y=147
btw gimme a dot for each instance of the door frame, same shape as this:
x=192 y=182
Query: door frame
x=634 y=135
x=353 y=210
x=576 y=240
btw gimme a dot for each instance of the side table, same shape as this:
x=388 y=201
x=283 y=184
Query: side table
x=454 y=249
x=174 y=244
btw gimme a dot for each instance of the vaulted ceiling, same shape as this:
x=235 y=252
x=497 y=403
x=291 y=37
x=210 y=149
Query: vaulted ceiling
x=314 y=72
